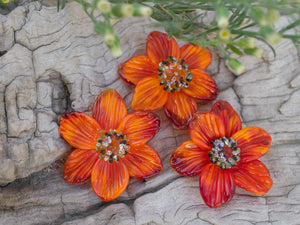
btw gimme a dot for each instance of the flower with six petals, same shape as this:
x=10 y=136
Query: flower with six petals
x=224 y=155
x=169 y=77
x=111 y=145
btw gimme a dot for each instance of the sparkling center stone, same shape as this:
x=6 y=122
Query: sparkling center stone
x=224 y=152
x=174 y=74
x=112 y=145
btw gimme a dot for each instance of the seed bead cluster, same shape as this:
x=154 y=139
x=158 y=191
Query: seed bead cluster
x=112 y=145
x=224 y=152
x=174 y=74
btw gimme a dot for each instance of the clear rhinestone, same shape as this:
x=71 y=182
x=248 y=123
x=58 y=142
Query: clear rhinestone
x=105 y=143
x=108 y=152
x=98 y=144
x=106 y=158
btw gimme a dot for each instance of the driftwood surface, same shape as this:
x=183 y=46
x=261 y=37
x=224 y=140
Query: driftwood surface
x=56 y=63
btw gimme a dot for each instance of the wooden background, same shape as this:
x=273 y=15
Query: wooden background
x=56 y=63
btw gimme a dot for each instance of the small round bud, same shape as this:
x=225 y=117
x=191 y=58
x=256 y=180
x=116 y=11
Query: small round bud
x=236 y=66
x=257 y=52
x=109 y=38
x=123 y=10
x=5 y=1
x=272 y=16
x=246 y=42
x=103 y=6
x=274 y=38
x=222 y=17
x=116 y=51
x=258 y=15
x=140 y=10
x=224 y=35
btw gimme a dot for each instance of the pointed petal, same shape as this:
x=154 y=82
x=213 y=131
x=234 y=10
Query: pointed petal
x=79 y=165
x=216 y=186
x=204 y=128
x=137 y=68
x=188 y=159
x=195 y=56
x=180 y=109
x=159 y=47
x=143 y=162
x=229 y=116
x=79 y=130
x=253 y=176
x=109 y=180
x=140 y=127
x=109 y=109
x=202 y=86
x=148 y=95
x=254 y=142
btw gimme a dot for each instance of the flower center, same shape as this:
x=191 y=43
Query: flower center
x=174 y=74
x=112 y=145
x=224 y=152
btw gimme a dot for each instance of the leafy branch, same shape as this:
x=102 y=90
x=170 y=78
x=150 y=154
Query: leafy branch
x=234 y=29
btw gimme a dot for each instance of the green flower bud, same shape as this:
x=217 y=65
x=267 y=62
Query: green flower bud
x=109 y=38
x=246 y=42
x=257 y=52
x=222 y=17
x=140 y=10
x=115 y=48
x=272 y=16
x=274 y=38
x=103 y=6
x=122 y=10
x=116 y=51
x=236 y=66
x=258 y=15
x=224 y=35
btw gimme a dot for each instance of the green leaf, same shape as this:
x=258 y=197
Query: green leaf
x=63 y=4
x=57 y=5
x=234 y=49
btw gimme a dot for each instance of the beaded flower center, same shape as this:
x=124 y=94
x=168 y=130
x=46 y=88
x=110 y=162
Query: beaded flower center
x=224 y=152
x=112 y=145
x=174 y=74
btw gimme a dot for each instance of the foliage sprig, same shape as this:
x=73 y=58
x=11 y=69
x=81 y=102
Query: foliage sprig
x=234 y=29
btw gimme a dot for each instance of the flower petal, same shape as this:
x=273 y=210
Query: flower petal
x=140 y=127
x=180 y=109
x=79 y=130
x=216 y=185
x=109 y=109
x=202 y=86
x=188 y=159
x=229 y=116
x=137 y=68
x=253 y=176
x=159 y=47
x=148 y=95
x=79 y=165
x=204 y=128
x=143 y=162
x=254 y=142
x=195 y=56
x=109 y=180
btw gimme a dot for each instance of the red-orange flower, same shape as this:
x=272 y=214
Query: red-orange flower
x=223 y=155
x=111 y=145
x=169 y=77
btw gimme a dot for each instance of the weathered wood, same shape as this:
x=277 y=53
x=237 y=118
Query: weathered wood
x=56 y=63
